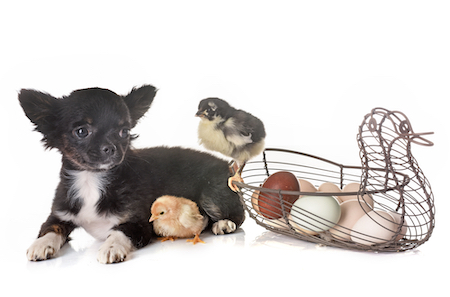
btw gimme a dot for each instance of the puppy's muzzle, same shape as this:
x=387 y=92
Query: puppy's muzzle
x=109 y=150
x=105 y=157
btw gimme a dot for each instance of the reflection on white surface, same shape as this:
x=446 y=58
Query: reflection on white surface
x=268 y=262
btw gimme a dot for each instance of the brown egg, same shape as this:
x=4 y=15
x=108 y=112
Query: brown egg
x=269 y=203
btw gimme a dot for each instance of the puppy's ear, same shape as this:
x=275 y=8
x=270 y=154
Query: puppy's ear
x=139 y=101
x=41 y=109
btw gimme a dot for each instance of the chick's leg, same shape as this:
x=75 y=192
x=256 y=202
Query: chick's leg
x=195 y=240
x=236 y=177
x=166 y=238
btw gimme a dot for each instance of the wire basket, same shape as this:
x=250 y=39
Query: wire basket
x=392 y=194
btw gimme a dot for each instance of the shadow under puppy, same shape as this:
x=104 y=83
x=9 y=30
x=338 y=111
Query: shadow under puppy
x=108 y=188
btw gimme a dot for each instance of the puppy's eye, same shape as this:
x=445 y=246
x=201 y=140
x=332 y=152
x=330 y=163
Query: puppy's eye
x=124 y=133
x=82 y=132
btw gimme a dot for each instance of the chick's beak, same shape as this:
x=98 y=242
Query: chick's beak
x=152 y=218
x=201 y=114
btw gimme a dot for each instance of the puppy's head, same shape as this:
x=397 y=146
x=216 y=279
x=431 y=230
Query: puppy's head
x=91 y=127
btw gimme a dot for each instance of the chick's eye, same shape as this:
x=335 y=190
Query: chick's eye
x=124 y=133
x=81 y=133
x=161 y=213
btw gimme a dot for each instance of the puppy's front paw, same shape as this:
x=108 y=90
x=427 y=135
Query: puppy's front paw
x=223 y=227
x=45 y=247
x=115 y=249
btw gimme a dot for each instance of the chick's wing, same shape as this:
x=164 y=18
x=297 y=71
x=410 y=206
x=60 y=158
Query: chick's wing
x=239 y=129
x=189 y=215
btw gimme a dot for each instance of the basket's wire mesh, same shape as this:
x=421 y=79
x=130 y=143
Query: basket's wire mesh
x=390 y=182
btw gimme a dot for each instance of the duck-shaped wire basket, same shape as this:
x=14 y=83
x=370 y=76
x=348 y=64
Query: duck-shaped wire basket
x=384 y=205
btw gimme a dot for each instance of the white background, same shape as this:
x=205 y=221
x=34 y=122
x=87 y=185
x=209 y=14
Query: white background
x=309 y=69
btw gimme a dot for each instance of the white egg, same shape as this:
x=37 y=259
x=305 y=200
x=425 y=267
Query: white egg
x=398 y=219
x=376 y=227
x=314 y=214
x=351 y=212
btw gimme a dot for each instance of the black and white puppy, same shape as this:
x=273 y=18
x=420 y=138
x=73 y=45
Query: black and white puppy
x=108 y=188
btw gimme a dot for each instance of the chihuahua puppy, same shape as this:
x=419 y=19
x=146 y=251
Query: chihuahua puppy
x=108 y=188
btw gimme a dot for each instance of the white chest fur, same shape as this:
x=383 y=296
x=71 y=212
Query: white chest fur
x=87 y=188
x=211 y=138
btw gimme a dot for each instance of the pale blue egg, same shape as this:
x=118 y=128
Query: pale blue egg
x=315 y=213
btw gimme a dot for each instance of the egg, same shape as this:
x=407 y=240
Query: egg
x=269 y=204
x=351 y=212
x=299 y=228
x=376 y=227
x=254 y=201
x=330 y=188
x=313 y=214
x=277 y=223
x=354 y=187
x=306 y=186
x=398 y=220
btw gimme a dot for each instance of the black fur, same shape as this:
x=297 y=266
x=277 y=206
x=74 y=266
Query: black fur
x=91 y=128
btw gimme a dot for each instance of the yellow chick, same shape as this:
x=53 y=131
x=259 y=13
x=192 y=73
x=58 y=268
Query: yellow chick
x=177 y=217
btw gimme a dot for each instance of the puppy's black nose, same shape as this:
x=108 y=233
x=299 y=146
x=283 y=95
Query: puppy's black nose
x=109 y=149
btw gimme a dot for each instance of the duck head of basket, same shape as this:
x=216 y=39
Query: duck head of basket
x=385 y=139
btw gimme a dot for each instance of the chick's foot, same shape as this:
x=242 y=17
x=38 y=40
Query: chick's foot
x=166 y=238
x=237 y=177
x=195 y=240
